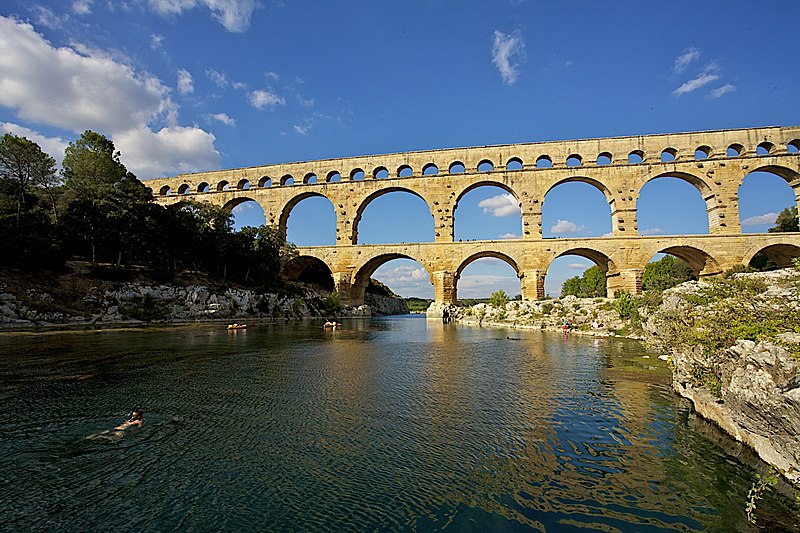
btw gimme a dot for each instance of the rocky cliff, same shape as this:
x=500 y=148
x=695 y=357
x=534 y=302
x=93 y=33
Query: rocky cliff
x=385 y=305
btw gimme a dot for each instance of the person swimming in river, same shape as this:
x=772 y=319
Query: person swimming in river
x=136 y=419
x=330 y=324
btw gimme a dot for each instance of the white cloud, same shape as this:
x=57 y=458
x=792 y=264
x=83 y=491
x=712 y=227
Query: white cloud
x=758 y=220
x=304 y=128
x=508 y=236
x=651 y=231
x=219 y=78
x=156 y=41
x=264 y=98
x=404 y=274
x=682 y=61
x=173 y=149
x=224 y=118
x=578 y=266
x=47 y=18
x=705 y=77
x=719 y=91
x=53 y=146
x=185 y=81
x=506 y=48
x=82 y=7
x=502 y=205
x=609 y=234
x=243 y=208
x=563 y=227
x=234 y=15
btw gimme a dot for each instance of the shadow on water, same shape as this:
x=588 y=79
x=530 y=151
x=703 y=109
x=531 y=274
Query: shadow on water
x=393 y=424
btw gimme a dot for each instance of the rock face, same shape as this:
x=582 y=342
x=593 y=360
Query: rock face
x=385 y=305
x=758 y=402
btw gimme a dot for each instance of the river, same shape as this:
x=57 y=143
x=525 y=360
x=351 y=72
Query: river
x=384 y=424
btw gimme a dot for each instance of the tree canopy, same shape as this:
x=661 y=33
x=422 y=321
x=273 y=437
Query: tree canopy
x=592 y=284
x=786 y=221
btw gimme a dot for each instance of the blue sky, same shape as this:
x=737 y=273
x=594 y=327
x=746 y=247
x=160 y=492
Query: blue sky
x=186 y=85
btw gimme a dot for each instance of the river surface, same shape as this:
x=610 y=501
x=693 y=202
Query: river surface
x=382 y=425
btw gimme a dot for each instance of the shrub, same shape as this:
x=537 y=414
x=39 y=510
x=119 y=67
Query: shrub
x=498 y=299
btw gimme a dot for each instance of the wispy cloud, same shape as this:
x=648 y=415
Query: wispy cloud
x=758 y=220
x=566 y=227
x=507 y=51
x=502 y=205
x=719 y=91
x=508 y=236
x=707 y=76
x=185 y=82
x=578 y=266
x=224 y=118
x=265 y=98
x=82 y=7
x=688 y=56
x=156 y=41
x=651 y=231
x=234 y=15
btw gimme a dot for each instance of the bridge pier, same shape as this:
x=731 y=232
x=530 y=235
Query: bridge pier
x=345 y=289
x=626 y=280
x=532 y=282
x=444 y=287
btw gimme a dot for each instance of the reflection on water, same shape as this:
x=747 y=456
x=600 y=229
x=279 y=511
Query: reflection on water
x=390 y=424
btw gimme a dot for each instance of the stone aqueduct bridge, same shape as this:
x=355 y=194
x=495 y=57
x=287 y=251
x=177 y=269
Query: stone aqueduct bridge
x=715 y=162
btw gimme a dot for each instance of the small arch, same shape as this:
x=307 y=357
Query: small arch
x=364 y=273
x=310 y=178
x=357 y=174
x=430 y=170
x=265 y=181
x=380 y=173
x=456 y=167
x=793 y=147
x=515 y=163
x=223 y=186
x=309 y=270
x=243 y=184
x=405 y=171
x=184 y=189
x=765 y=148
x=203 y=187
x=485 y=166
x=287 y=179
x=780 y=254
x=487 y=253
x=604 y=159
x=246 y=212
x=165 y=191
x=544 y=161
x=574 y=160
x=702 y=152
x=668 y=155
x=734 y=150
x=333 y=176
x=701 y=263
x=635 y=157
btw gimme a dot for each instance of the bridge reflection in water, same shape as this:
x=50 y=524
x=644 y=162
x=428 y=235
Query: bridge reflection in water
x=715 y=162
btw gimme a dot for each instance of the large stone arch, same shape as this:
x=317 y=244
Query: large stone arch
x=704 y=185
x=780 y=253
x=484 y=183
x=790 y=175
x=363 y=272
x=309 y=269
x=362 y=205
x=464 y=263
x=701 y=262
x=286 y=210
x=615 y=281
x=236 y=201
x=597 y=184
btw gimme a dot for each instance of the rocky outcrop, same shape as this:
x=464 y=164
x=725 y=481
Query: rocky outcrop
x=385 y=305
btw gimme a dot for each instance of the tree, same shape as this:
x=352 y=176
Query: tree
x=786 y=221
x=592 y=284
x=23 y=164
x=665 y=273
x=498 y=299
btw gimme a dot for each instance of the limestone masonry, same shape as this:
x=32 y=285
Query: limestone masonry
x=715 y=162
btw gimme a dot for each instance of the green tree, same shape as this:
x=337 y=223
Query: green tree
x=498 y=298
x=786 y=221
x=665 y=273
x=22 y=165
x=592 y=284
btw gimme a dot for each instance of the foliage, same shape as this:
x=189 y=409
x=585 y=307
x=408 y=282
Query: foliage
x=786 y=221
x=665 y=273
x=547 y=308
x=418 y=305
x=22 y=165
x=626 y=305
x=591 y=284
x=376 y=287
x=498 y=299
x=332 y=304
x=756 y=492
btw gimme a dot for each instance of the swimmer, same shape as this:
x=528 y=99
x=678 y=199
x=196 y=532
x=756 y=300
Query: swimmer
x=136 y=419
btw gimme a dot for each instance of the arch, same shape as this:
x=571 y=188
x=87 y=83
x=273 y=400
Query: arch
x=404 y=171
x=484 y=183
x=695 y=212
x=604 y=262
x=333 y=176
x=786 y=173
x=574 y=160
x=357 y=174
x=310 y=178
x=593 y=219
x=184 y=189
x=380 y=172
x=544 y=161
x=165 y=190
x=310 y=270
x=702 y=152
x=761 y=196
x=223 y=186
x=233 y=203
x=243 y=184
x=287 y=179
x=456 y=167
x=265 y=181
x=283 y=220
x=734 y=150
x=793 y=147
x=765 y=148
x=668 y=155
x=635 y=157
x=697 y=181
x=485 y=165
x=700 y=261
x=364 y=272
x=781 y=254
x=515 y=163
x=604 y=158
x=377 y=194
x=599 y=185
x=486 y=253
x=430 y=170
x=203 y=187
